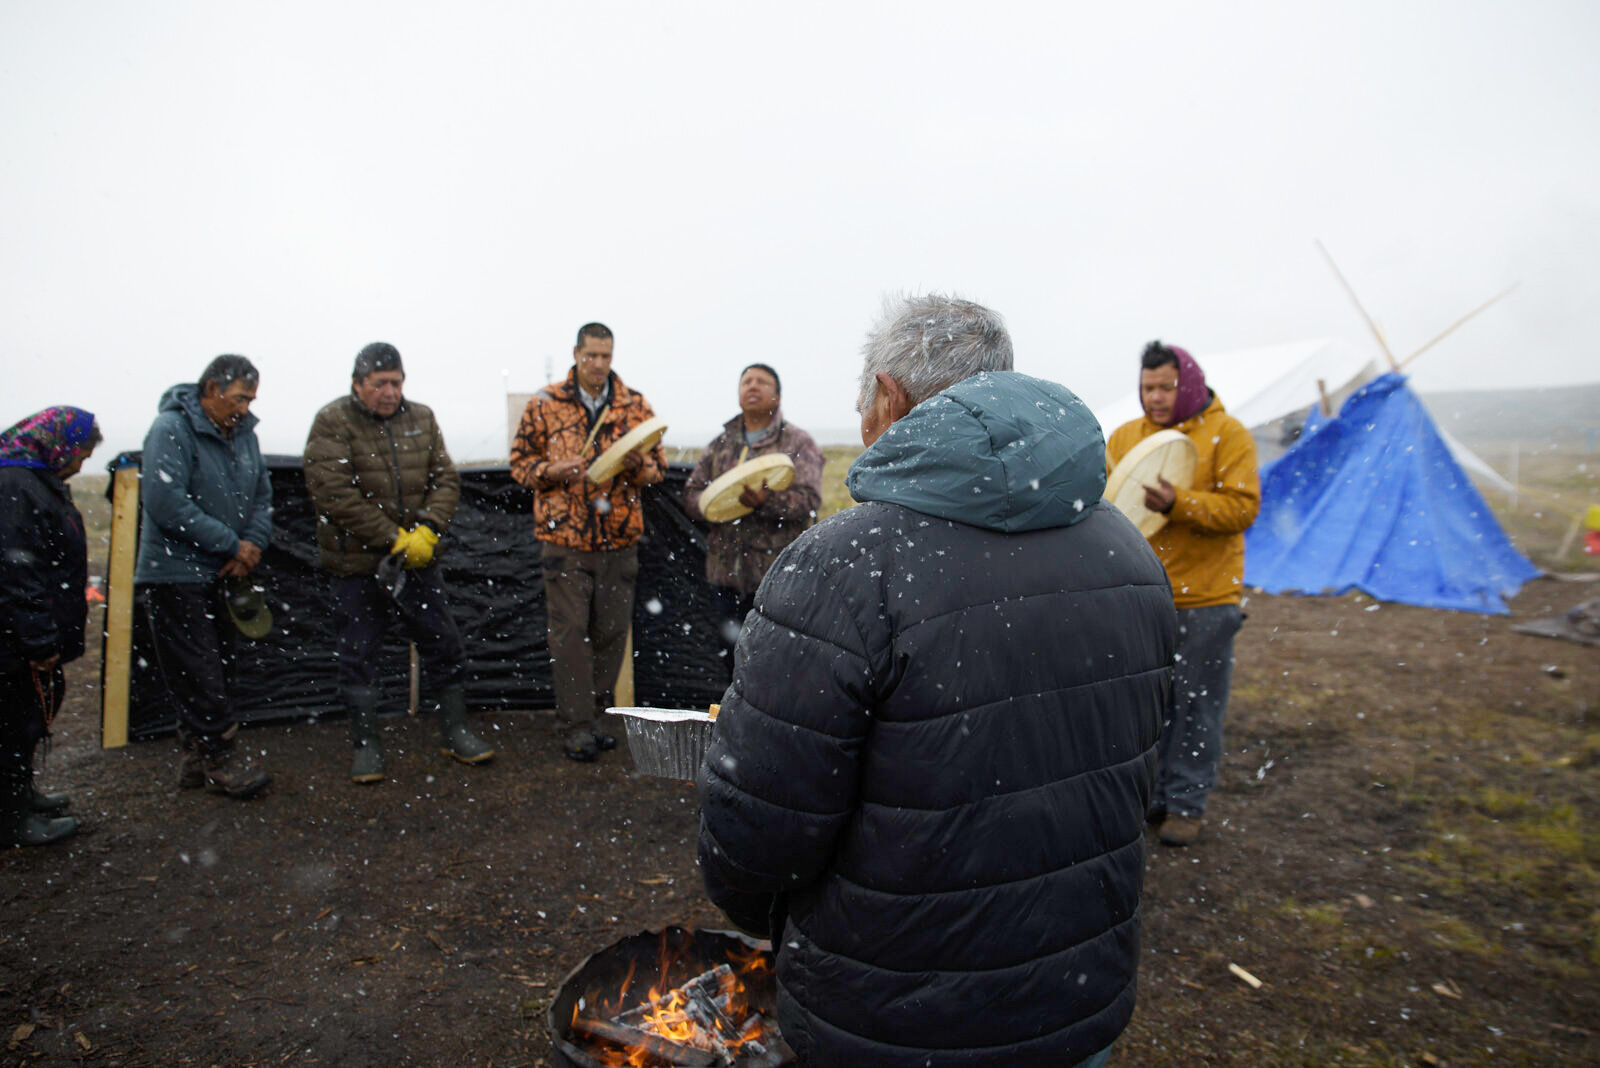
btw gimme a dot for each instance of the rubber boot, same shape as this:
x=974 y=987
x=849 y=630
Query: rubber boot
x=367 y=764
x=456 y=739
x=46 y=804
x=18 y=824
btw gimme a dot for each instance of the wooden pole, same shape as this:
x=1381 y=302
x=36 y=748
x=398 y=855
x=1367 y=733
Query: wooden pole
x=623 y=691
x=119 y=609
x=416 y=679
x=1451 y=329
x=1371 y=325
x=1322 y=391
x=1515 y=449
x=1572 y=536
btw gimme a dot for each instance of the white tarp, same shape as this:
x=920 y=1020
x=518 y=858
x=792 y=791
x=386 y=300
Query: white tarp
x=1262 y=384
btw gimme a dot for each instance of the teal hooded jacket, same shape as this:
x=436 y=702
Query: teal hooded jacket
x=1000 y=450
x=202 y=493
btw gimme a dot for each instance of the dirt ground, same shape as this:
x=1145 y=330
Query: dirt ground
x=1402 y=849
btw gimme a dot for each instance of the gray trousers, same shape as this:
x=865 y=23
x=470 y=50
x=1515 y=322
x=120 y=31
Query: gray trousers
x=1191 y=736
x=588 y=600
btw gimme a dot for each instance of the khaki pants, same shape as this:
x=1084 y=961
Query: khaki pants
x=588 y=600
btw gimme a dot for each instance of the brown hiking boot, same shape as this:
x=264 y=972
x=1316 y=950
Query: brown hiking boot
x=231 y=771
x=191 y=756
x=1180 y=830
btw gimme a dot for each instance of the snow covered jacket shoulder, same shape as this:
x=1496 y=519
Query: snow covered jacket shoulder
x=929 y=777
x=43 y=569
x=202 y=492
x=369 y=475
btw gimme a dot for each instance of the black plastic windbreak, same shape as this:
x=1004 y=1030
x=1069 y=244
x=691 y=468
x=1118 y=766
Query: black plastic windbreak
x=491 y=568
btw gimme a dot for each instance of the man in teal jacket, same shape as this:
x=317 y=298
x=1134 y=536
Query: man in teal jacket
x=207 y=517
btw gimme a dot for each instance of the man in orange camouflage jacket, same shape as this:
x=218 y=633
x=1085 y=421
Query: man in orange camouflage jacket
x=588 y=532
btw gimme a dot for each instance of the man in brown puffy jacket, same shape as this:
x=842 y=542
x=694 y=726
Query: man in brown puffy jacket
x=588 y=532
x=385 y=490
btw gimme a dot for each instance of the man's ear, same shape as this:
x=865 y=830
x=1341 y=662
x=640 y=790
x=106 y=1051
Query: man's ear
x=895 y=396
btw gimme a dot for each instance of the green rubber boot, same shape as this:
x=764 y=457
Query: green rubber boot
x=367 y=764
x=456 y=739
x=43 y=803
x=19 y=824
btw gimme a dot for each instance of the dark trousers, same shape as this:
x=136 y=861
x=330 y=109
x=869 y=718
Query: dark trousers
x=588 y=600
x=732 y=607
x=364 y=611
x=1191 y=741
x=26 y=701
x=195 y=643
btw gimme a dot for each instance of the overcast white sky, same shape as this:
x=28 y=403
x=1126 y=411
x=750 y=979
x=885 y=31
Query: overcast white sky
x=727 y=183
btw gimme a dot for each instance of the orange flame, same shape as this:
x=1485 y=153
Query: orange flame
x=668 y=1015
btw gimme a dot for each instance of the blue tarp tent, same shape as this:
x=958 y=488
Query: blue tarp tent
x=1371 y=499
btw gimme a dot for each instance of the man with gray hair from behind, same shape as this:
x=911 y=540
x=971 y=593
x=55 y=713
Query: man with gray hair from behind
x=965 y=677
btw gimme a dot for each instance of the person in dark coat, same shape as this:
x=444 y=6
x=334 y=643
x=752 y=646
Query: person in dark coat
x=207 y=502
x=43 y=572
x=386 y=490
x=929 y=778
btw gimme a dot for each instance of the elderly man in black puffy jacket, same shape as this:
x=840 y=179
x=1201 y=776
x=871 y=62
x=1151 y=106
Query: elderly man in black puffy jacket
x=930 y=775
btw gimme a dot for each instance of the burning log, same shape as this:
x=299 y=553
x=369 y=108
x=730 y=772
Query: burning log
x=710 y=1004
x=653 y=1044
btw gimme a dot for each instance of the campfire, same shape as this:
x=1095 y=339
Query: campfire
x=669 y=998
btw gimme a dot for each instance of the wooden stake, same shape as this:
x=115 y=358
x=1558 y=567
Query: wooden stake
x=623 y=690
x=1322 y=391
x=1572 y=536
x=416 y=680
x=1382 y=344
x=114 y=682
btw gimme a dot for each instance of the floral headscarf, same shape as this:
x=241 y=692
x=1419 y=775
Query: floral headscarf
x=49 y=440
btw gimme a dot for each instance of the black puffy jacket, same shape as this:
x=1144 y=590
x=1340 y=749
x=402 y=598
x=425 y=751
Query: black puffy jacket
x=929 y=778
x=43 y=569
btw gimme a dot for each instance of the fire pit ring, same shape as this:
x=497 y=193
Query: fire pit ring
x=620 y=978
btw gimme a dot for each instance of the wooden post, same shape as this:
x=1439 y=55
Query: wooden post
x=622 y=693
x=1514 y=475
x=1322 y=391
x=416 y=680
x=119 y=609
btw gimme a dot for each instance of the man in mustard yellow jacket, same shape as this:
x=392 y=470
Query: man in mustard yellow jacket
x=1202 y=548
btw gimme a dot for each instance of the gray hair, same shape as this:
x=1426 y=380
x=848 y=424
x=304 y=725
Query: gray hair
x=930 y=343
x=225 y=371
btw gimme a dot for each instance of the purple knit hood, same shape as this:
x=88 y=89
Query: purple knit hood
x=1193 y=396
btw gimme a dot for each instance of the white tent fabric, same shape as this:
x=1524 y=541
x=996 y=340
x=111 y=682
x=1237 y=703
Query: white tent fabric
x=1262 y=384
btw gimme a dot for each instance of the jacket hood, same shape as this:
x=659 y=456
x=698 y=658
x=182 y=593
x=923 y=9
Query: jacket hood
x=185 y=397
x=1000 y=450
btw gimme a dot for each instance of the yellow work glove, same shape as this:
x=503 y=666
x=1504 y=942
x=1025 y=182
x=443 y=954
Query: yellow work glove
x=401 y=537
x=419 y=547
